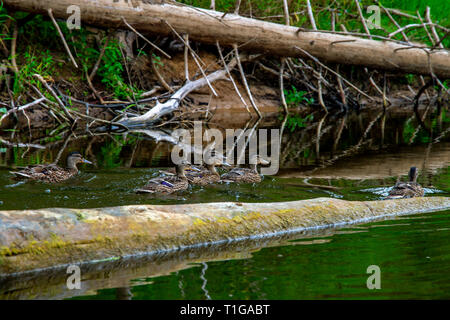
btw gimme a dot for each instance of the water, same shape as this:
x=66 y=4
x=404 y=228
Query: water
x=412 y=252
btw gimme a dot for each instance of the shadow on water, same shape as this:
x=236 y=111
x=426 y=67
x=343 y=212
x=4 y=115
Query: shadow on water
x=354 y=157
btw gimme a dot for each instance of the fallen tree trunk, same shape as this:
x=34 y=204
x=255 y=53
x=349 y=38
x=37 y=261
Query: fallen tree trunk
x=208 y=26
x=31 y=239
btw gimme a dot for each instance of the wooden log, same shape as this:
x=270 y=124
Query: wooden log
x=31 y=239
x=209 y=26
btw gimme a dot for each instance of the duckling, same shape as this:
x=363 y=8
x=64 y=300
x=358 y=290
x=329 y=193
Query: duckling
x=246 y=175
x=51 y=173
x=407 y=189
x=170 y=184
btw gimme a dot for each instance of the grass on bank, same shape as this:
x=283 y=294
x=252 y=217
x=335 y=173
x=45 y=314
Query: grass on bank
x=38 y=48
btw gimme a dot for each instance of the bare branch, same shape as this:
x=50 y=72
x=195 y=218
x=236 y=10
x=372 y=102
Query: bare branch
x=61 y=35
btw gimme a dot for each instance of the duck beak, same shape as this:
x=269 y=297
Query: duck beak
x=226 y=164
x=85 y=161
x=264 y=162
x=195 y=169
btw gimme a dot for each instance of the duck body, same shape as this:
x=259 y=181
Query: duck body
x=410 y=189
x=241 y=175
x=51 y=173
x=246 y=175
x=203 y=177
x=165 y=185
x=403 y=190
x=46 y=173
x=168 y=184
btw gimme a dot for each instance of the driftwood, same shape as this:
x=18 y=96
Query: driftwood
x=58 y=236
x=250 y=34
x=173 y=102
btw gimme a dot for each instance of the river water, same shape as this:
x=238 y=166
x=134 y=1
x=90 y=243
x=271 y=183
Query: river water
x=412 y=252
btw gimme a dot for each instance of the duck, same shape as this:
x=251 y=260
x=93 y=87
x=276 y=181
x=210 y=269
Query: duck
x=207 y=174
x=246 y=175
x=51 y=173
x=168 y=184
x=408 y=189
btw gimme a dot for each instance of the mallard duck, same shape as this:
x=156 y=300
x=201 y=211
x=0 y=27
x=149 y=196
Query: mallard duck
x=246 y=175
x=408 y=189
x=169 y=184
x=207 y=174
x=51 y=173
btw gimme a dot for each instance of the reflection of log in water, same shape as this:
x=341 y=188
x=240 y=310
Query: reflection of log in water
x=120 y=273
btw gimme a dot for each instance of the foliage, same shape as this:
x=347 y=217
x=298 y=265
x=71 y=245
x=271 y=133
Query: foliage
x=32 y=62
x=294 y=122
x=294 y=97
x=111 y=70
x=109 y=156
x=3 y=17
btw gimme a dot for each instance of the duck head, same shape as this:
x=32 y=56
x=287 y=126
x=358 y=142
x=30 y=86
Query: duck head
x=217 y=162
x=413 y=174
x=256 y=160
x=75 y=158
x=180 y=167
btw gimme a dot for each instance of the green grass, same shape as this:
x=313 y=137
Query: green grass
x=295 y=97
x=38 y=41
x=33 y=61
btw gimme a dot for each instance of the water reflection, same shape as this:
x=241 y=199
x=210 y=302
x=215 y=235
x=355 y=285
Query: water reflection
x=355 y=157
x=328 y=263
x=309 y=143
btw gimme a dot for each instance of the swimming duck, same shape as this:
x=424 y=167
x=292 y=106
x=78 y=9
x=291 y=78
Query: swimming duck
x=207 y=174
x=246 y=175
x=407 y=189
x=169 y=184
x=51 y=173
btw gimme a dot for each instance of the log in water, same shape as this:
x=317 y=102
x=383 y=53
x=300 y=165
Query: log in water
x=31 y=239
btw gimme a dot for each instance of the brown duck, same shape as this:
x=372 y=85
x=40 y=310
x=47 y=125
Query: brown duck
x=408 y=189
x=207 y=174
x=51 y=173
x=246 y=175
x=169 y=184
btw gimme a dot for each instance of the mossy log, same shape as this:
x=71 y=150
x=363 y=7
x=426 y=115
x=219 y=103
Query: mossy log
x=208 y=26
x=31 y=239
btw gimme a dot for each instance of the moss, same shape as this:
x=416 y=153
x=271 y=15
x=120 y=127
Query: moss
x=80 y=216
x=114 y=237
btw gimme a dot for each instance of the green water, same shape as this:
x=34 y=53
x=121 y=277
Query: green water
x=413 y=254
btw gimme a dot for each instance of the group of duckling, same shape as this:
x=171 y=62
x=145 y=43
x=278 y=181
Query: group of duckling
x=173 y=180
x=185 y=174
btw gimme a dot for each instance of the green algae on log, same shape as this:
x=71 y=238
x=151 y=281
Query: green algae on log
x=32 y=239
